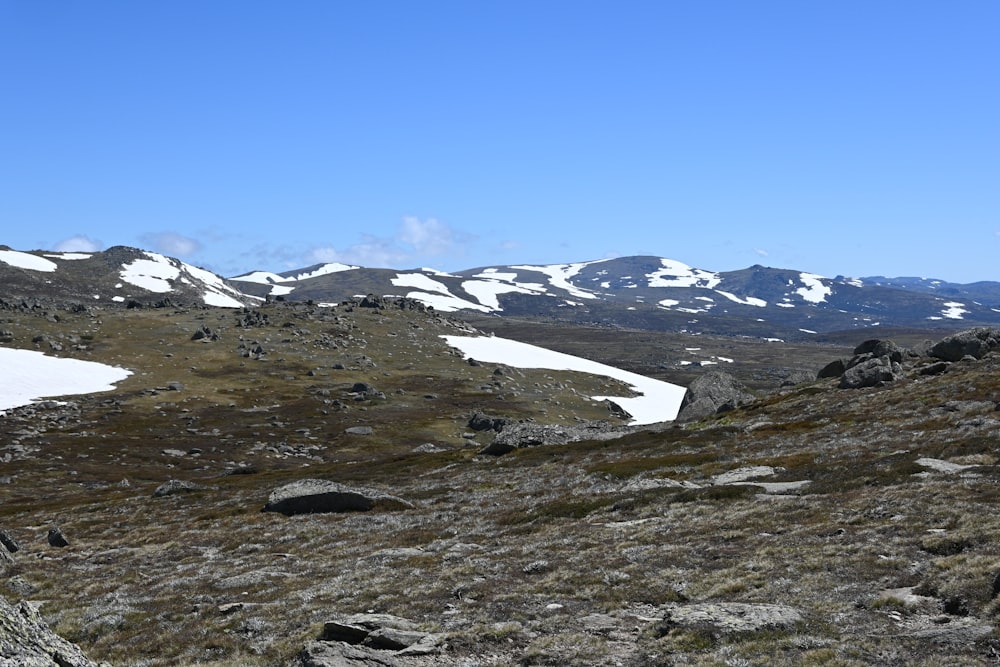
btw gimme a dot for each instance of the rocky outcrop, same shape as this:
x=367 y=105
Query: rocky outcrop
x=310 y=496
x=974 y=343
x=367 y=640
x=528 y=434
x=873 y=372
x=483 y=422
x=711 y=393
x=26 y=641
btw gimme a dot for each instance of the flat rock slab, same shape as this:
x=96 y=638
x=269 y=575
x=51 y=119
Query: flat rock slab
x=943 y=466
x=309 y=496
x=731 y=617
x=338 y=654
x=742 y=475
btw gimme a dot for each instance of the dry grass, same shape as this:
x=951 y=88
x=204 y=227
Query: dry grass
x=511 y=557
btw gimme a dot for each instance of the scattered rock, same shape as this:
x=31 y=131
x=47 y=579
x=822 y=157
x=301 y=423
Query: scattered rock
x=727 y=618
x=359 y=430
x=205 y=334
x=310 y=496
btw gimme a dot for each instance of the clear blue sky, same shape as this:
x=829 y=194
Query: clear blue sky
x=850 y=137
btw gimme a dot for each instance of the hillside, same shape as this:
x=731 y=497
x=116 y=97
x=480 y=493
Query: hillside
x=816 y=525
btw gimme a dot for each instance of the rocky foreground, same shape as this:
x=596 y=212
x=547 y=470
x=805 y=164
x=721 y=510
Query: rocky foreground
x=298 y=486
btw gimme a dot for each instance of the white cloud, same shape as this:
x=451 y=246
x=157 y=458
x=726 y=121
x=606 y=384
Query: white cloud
x=761 y=252
x=427 y=237
x=78 y=243
x=416 y=242
x=171 y=243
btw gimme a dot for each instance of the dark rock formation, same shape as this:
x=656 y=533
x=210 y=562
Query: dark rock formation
x=310 y=496
x=483 y=422
x=56 y=538
x=8 y=541
x=711 y=393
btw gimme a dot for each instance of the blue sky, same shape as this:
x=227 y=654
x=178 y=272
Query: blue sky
x=854 y=138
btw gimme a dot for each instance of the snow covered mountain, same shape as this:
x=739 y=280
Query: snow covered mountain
x=641 y=292
x=654 y=292
x=116 y=275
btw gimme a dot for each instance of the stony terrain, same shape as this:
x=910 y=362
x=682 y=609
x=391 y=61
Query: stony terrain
x=815 y=525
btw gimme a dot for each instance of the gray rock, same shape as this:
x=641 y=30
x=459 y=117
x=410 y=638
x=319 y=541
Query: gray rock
x=727 y=618
x=527 y=434
x=359 y=430
x=711 y=393
x=310 y=496
x=881 y=348
x=338 y=654
x=175 y=486
x=875 y=372
x=972 y=342
x=26 y=641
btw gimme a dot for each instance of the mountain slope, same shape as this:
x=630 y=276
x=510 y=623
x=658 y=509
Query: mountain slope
x=816 y=525
x=116 y=275
x=658 y=293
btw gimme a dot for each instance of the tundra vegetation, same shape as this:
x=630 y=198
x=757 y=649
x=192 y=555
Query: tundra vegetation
x=813 y=526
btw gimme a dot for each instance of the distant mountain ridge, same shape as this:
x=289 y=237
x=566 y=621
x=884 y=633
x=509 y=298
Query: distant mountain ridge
x=645 y=292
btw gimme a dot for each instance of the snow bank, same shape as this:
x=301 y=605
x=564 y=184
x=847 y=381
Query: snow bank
x=30 y=375
x=24 y=260
x=659 y=401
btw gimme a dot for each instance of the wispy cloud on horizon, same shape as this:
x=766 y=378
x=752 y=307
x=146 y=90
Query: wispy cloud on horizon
x=171 y=243
x=415 y=242
x=79 y=243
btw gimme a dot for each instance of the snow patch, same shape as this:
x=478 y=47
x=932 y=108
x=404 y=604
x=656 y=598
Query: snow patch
x=679 y=274
x=560 y=276
x=69 y=255
x=748 y=301
x=334 y=267
x=24 y=260
x=660 y=401
x=30 y=375
x=814 y=291
x=954 y=310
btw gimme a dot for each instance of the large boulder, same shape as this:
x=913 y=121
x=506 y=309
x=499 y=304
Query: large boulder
x=874 y=372
x=971 y=342
x=711 y=393
x=26 y=641
x=310 y=496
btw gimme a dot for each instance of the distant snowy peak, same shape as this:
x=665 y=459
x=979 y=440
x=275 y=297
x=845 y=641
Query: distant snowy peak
x=285 y=283
x=111 y=275
x=157 y=273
